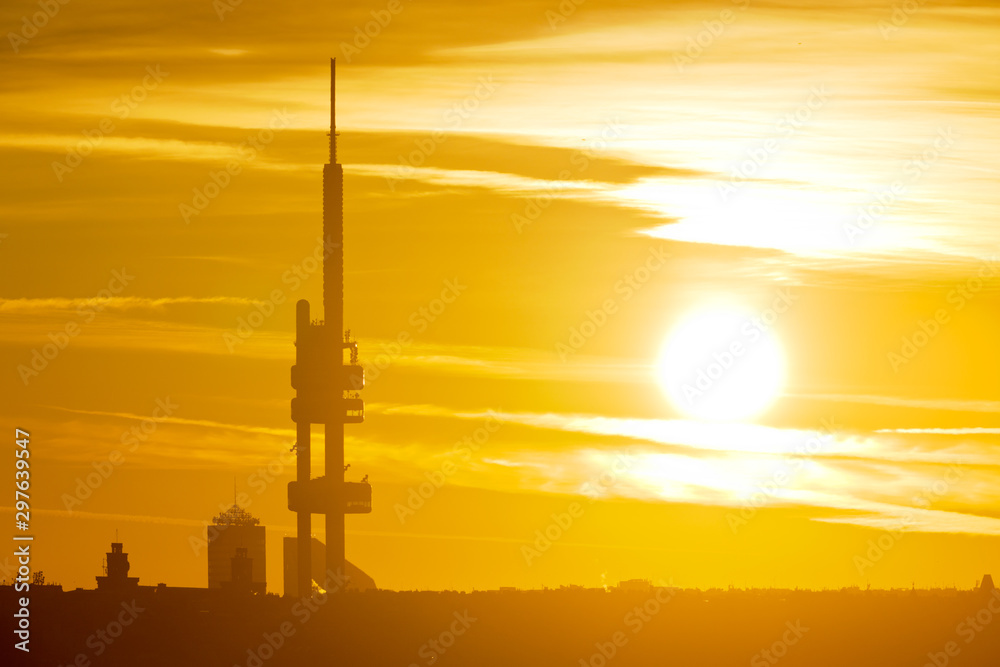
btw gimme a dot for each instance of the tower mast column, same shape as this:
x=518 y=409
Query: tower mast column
x=333 y=313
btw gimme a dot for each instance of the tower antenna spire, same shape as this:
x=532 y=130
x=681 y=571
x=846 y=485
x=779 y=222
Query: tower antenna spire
x=333 y=110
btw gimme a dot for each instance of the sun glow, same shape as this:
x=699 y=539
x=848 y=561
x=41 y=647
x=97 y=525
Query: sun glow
x=722 y=363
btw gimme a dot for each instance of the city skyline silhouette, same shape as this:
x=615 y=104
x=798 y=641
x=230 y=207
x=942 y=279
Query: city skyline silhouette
x=585 y=309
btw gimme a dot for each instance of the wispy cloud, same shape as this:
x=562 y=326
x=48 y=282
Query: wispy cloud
x=737 y=438
x=944 y=431
x=202 y=423
x=954 y=405
x=123 y=303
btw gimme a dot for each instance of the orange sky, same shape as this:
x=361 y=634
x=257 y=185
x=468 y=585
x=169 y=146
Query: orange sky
x=828 y=172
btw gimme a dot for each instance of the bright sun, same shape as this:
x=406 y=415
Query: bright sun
x=722 y=363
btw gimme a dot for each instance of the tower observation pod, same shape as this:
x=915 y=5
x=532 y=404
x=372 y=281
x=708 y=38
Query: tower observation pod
x=327 y=391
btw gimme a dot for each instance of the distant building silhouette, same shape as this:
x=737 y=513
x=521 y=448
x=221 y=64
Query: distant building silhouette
x=241 y=575
x=640 y=585
x=116 y=571
x=237 y=531
x=987 y=584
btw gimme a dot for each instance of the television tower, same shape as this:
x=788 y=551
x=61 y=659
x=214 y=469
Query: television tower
x=326 y=391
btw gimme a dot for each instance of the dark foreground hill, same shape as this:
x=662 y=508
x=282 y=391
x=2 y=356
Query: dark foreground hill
x=662 y=627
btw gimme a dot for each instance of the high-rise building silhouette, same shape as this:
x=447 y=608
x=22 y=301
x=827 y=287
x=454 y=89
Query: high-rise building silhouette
x=326 y=393
x=237 y=529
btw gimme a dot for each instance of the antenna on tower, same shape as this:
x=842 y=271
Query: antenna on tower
x=333 y=110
